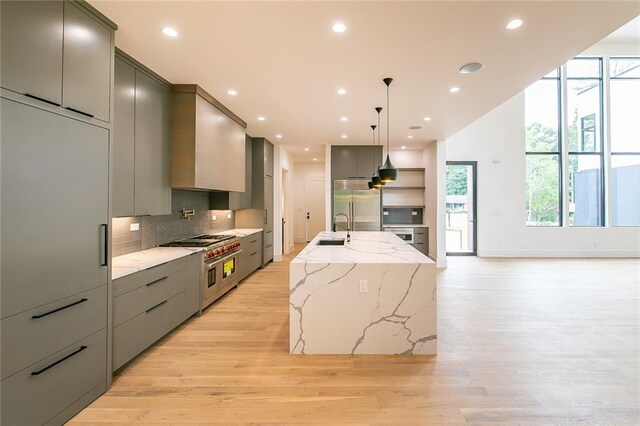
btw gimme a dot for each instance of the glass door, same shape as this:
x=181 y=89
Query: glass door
x=461 y=220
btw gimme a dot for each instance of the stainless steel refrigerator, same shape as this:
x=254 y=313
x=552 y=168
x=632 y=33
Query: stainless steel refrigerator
x=362 y=205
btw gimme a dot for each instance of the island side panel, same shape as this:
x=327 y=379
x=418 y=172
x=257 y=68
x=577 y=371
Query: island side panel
x=329 y=315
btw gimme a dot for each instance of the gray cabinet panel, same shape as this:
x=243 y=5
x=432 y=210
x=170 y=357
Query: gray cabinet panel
x=31 y=34
x=152 y=147
x=26 y=340
x=123 y=139
x=268 y=159
x=86 y=80
x=365 y=161
x=268 y=202
x=136 y=335
x=35 y=399
x=354 y=162
x=247 y=195
x=54 y=185
x=142 y=278
x=192 y=278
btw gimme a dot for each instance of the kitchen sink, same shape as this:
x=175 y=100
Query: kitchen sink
x=333 y=242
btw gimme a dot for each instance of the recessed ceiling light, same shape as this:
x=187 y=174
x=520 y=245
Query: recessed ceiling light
x=512 y=25
x=343 y=136
x=410 y=137
x=170 y=32
x=279 y=136
x=344 y=118
x=232 y=92
x=454 y=89
x=470 y=67
x=427 y=119
x=306 y=149
x=315 y=159
x=339 y=27
x=341 y=91
x=261 y=118
x=404 y=147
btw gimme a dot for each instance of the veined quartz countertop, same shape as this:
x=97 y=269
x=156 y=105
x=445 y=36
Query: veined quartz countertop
x=365 y=247
x=241 y=232
x=145 y=259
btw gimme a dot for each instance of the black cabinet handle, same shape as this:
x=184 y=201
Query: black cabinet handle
x=105 y=260
x=76 y=352
x=86 y=114
x=270 y=245
x=29 y=95
x=157 y=306
x=254 y=253
x=59 y=309
x=156 y=281
x=254 y=241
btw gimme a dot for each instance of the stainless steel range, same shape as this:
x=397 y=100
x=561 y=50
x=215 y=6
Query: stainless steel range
x=220 y=266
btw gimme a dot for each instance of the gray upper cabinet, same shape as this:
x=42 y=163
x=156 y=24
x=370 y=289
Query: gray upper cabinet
x=60 y=53
x=58 y=162
x=262 y=153
x=141 y=141
x=123 y=139
x=225 y=200
x=87 y=59
x=152 y=147
x=31 y=34
x=354 y=162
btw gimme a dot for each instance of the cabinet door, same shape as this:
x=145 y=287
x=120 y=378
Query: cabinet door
x=344 y=162
x=268 y=158
x=247 y=197
x=86 y=63
x=152 y=147
x=123 y=142
x=365 y=162
x=54 y=184
x=268 y=202
x=31 y=33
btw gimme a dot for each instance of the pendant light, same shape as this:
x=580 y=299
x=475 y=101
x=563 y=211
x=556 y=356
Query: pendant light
x=377 y=182
x=372 y=183
x=388 y=173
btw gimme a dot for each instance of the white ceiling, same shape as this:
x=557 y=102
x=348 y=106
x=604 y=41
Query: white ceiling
x=286 y=62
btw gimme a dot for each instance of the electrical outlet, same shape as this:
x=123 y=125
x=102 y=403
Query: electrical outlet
x=212 y=216
x=228 y=215
x=134 y=227
x=364 y=286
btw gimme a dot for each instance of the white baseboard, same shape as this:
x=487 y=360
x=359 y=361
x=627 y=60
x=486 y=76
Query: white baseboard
x=441 y=263
x=277 y=258
x=560 y=253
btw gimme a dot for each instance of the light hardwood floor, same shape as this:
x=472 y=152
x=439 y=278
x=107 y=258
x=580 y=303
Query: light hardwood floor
x=520 y=342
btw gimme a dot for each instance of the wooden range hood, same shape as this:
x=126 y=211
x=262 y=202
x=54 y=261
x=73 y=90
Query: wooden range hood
x=208 y=142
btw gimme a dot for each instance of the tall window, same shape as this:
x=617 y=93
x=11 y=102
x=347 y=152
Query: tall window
x=624 y=89
x=568 y=150
x=543 y=146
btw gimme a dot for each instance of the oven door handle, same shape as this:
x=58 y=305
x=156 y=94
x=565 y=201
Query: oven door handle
x=231 y=255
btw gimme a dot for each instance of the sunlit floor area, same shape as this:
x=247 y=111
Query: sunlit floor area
x=521 y=341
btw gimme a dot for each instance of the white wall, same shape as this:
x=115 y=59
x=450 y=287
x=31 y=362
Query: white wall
x=406 y=158
x=282 y=160
x=496 y=141
x=301 y=171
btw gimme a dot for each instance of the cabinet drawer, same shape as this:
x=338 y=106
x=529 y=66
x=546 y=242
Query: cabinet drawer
x=142 y=278
x=421 y=247
x=142 y=298
x=137 y=334
x=251 y=243
x=30 y=399
x=26 y=340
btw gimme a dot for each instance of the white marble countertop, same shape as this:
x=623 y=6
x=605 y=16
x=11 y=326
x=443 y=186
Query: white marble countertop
x=365 y=247
x=241 y=232
x=145 y=259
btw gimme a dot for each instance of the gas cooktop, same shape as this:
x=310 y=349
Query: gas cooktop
x=199 y=241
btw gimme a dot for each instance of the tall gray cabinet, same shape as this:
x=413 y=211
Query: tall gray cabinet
x=262 y=187
x=141 y=141
x=54 y=188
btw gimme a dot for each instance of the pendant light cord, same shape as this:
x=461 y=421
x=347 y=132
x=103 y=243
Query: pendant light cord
x=387 y=119
x=379 y=158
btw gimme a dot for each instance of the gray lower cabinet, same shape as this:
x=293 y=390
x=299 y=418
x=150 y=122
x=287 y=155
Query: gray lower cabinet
x=141 y=142
x=45 y=391
x=251 y=256
x=150 y=303
x=421 y=239
x=60 y=52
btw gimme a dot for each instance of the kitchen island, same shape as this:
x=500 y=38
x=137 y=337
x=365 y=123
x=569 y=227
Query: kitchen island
x=373 y=295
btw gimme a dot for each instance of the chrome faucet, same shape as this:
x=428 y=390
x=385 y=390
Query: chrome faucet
x=348 y=221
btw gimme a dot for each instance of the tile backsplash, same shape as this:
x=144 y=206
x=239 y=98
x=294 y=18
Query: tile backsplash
x=156 y=230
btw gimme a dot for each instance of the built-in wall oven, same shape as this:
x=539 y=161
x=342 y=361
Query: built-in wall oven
x=406 y=234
